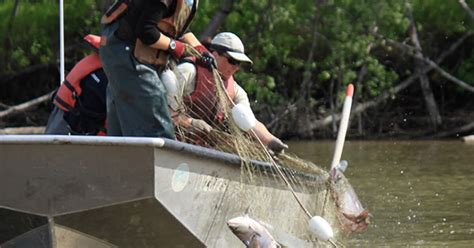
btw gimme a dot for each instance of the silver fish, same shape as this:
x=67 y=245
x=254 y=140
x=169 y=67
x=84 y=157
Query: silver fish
x=252 y=233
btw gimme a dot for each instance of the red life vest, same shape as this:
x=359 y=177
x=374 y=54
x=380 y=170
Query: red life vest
x=203 y=101
x=70 y=89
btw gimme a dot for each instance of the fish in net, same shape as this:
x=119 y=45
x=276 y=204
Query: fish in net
x=310 y=183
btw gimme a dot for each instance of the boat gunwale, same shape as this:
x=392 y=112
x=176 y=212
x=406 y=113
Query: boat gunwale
x=161 y=143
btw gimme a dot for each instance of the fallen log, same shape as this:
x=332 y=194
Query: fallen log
x=466 y=128
x=469 y=139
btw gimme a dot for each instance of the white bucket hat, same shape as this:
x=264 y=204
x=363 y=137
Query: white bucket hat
x=232 y=45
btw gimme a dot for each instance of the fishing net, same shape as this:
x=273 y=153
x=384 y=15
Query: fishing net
x=258 y=168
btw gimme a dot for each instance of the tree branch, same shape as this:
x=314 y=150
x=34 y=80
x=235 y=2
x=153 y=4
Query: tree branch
x=467 y=9
x=462 y=129
x=217 y=19
x=361 y=107
x=424 y=81
x=25 y=106
x=412 y=51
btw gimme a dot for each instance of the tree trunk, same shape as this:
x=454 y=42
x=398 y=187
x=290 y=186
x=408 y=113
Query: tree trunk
x=217 y=19
x=467 y=8
x=306 y=85
x=424 y=81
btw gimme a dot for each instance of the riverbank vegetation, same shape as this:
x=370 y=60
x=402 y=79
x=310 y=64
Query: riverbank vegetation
x=411 y=61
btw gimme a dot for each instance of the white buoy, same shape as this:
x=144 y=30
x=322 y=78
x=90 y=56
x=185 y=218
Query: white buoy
x=321 y=228
x=243 y=117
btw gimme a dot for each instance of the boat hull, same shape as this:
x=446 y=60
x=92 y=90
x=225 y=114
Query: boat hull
x=151 y=192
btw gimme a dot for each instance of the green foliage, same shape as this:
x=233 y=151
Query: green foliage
x=444 y=17
x=34 y=34
x=279 y=36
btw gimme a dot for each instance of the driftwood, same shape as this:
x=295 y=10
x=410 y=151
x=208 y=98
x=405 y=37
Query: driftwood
x=25 y=106
x=469 y=139
x=462 y=129
x=361 y=107
x=22 y=130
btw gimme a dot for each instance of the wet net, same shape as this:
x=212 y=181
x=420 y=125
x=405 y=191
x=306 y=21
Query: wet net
x=309 y=182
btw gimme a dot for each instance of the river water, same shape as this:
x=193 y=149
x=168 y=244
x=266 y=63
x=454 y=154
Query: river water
x=420 y=193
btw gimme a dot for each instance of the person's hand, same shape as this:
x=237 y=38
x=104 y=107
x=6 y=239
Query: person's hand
x=207 y=60
x=201 y=125
x=276 y=145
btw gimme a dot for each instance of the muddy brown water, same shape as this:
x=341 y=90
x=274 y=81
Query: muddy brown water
x=421 y=193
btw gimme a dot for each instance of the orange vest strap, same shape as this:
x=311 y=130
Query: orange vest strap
x=71 y=87
x=93 y=40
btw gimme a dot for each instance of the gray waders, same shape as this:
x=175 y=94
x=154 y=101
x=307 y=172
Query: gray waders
x=56 y=123
x=136 y=97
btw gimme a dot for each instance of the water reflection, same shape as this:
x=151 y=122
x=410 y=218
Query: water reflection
x=420 y=192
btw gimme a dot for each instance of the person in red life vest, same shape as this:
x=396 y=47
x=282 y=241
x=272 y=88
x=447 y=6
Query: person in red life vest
x=141 y=38
x=79 y=103
x=193 y=85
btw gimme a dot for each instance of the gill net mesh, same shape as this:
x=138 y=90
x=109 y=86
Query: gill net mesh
x=309 y=181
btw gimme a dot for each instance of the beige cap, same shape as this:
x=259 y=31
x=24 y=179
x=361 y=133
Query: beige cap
x=232 y=45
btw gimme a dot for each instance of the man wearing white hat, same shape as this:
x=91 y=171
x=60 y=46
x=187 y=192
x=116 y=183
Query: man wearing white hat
x=194 y=87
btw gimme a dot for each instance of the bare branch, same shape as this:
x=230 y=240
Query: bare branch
x=430 y=101
x=412 y=51
x=467 y=9
x=361 y=107
x=3 y=105
x=463 y=129
x=446 y=74
x=25 y=106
